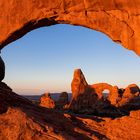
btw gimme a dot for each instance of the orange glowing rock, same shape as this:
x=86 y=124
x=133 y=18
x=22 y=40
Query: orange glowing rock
x=118 y=19
x=47 y=101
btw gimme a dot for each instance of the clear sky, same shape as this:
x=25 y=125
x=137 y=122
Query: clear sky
x=45 y=58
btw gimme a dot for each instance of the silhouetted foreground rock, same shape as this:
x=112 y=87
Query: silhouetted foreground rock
x=20 y=119
x=2 y=69
x=89 y=99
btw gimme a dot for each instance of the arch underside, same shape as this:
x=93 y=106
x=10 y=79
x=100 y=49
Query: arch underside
x=100 y=87
x=117 y=19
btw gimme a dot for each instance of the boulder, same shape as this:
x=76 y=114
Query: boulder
x=47 y=101
x=62 y=101
x=130 y=93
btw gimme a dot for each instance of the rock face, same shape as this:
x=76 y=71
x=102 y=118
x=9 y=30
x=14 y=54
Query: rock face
x=89 y=99
x=2 y=69
x=79 y=84
x=130 y=98
x=62 y=101
x=20 y=119
x=131 y=91
x=114 y=96
x=47 y=101
x=118 y=19
x=83 y=96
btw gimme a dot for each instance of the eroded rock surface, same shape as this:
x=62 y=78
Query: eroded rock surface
x=118 y=19
x=47 y=101
x=20 y=119
x=89 y=99
x=83 y=96
x=130 y=99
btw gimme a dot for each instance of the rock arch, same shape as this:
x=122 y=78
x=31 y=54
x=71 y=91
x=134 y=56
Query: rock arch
x=118 y=19
x=113 y=95
x=100 y=87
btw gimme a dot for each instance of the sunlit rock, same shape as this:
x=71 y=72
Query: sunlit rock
x=118 y=19
x=47 y=101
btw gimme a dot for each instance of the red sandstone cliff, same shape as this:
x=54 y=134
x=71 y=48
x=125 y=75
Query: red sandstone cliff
x=119 y=19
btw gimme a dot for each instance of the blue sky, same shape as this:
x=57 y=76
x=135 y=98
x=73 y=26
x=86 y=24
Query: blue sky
x=45 y=58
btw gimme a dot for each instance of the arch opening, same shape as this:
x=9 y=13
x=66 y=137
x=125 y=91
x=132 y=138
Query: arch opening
x=105 y=93
x=74 y=53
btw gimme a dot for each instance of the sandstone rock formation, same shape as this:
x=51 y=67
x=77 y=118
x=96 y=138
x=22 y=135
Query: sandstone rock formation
x=20 y=119
x=62 y=101
x=118 y=19
x=47 y=101
x=79 y=84
x=130 y=98
x=114 y=96
x=83 y=96
x=89 y=99
x=129 y=93
x=2 y=69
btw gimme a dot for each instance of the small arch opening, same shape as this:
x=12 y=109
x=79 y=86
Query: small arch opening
x=105 y=93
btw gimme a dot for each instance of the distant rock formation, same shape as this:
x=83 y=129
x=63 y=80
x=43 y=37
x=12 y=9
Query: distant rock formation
x=21 y=119
x=131 y=91
x=62 y=101
x=83 y=96
x=79 y=84
x=47 y=101
x=114 y=96
x=89 y=98
x=130 y=98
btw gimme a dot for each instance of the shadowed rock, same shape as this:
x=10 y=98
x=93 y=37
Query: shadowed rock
x=2 y=69
x=83 y=96
x=89 y=99
x=62 y=101
x=79 y=84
